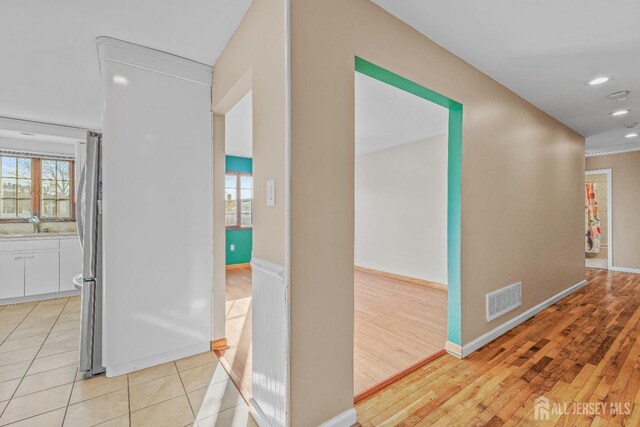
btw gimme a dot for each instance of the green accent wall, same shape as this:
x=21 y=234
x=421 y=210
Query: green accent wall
x=241 y=239
x=239 y=164
x=454 y=300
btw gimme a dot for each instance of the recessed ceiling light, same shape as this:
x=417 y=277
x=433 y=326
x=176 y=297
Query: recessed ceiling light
x=120 y=80
x=599 y=80
x=631 y=135
x=620 y=112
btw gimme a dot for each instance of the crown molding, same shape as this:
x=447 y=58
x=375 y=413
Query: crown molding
x=110 y=49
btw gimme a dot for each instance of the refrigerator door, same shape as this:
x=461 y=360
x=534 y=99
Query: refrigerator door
x=90 y=204
x=87 y=304
x=91 y=287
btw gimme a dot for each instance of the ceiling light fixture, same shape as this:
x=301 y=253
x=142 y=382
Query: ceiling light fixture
x=631 y=135
x=620 y=112
x=599 y=80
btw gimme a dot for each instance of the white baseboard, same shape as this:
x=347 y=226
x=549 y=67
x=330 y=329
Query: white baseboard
x=257 y=414
x=345 y=419
x=41 y=297
x=482 y=340
x=158 y=359
x=625 y=270
x=453 y=349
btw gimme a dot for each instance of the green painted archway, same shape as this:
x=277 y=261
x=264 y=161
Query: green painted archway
x=454 y=309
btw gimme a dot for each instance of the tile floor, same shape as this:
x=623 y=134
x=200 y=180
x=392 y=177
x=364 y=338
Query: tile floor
x=40 y=384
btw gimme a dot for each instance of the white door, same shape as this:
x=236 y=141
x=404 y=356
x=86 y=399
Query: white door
x=11 y=276
x=70 y=263
x=41 y=271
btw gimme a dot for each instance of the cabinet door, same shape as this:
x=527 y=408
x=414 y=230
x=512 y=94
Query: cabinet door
x=41 y=273
x=11 y=276
x=70 y=263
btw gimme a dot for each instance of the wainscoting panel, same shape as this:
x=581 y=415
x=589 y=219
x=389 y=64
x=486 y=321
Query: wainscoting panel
x=270 y=338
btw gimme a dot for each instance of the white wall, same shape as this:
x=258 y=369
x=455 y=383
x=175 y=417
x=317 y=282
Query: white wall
x=157 y=207
x=401 y=209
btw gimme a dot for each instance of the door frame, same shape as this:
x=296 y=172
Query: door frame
x=454 y=188
x=609 y=212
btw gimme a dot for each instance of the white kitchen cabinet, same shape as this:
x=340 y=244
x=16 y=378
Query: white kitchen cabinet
x=41 y=273
x=70 y=263
x=11 y=276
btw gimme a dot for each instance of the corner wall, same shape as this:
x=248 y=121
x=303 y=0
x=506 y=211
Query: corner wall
x=523 y=174
x=625 y=205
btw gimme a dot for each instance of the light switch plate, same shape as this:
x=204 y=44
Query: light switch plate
x=271 y=192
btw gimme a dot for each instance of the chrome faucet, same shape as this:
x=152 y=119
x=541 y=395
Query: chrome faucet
x=36 y=223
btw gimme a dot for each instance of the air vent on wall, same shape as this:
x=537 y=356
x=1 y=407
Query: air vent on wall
x=504 y=300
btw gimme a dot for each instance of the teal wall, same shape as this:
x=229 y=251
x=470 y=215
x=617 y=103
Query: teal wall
x=241 y=239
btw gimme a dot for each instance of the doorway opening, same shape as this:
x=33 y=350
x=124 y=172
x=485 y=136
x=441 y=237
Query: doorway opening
x=597 y=219
x=236 y=358
x=407 y=226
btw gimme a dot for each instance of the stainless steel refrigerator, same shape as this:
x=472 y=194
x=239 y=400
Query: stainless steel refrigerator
x=89 y=220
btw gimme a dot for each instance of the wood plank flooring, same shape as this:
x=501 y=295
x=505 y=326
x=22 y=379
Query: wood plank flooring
x=396 y=325
x=237 y=358
x=584 y=349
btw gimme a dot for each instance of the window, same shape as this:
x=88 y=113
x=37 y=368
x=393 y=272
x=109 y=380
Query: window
x=238 y=200
x=36 y=186
x=16 y=193
x=56 y=189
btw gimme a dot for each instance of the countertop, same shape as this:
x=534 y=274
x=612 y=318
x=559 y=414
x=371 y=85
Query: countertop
x=37 y=236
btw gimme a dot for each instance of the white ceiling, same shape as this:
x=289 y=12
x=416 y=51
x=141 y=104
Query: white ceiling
x=545 y=51
x=387 y=116
x=49 y=66
x=238 y=128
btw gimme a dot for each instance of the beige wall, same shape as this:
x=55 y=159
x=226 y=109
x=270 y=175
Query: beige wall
x=254 y=60
x=625 y=204
x=523 y=174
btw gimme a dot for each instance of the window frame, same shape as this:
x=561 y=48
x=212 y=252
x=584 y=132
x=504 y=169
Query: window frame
x=239 y=176
x=36 y=189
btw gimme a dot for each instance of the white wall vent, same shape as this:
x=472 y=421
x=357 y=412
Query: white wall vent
x=504 y=300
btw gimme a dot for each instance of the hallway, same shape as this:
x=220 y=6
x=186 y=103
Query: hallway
x=583 y=349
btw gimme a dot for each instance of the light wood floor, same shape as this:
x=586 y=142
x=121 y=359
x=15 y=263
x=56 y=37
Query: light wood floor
x=40 y=384
x=585 y=348
x=237 y=358
x=397 y=324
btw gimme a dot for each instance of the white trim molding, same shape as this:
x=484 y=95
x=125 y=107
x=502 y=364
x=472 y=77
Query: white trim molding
x=625 y=270
x=158 y=359
x=111 y=49
x=270 y=342
x=268 y=267
x=345 y=419
x=612 y=150
x=482 y=340
x=609 y=211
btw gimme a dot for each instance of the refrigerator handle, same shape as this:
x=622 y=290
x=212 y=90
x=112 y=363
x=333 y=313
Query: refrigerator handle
x=79 y=206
